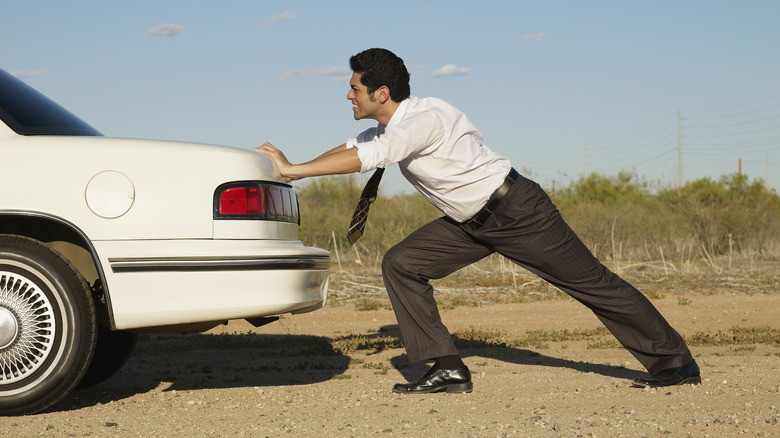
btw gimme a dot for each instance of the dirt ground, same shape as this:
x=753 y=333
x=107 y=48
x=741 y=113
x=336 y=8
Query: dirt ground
x=292 y=378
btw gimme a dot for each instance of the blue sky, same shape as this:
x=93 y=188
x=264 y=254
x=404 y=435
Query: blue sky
x=559 y=87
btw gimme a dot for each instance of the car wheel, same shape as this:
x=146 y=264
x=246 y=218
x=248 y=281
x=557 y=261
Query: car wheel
x=113 y=349
x=47 y=326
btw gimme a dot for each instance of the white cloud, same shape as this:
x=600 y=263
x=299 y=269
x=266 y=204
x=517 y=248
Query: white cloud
x=451 y=70
x=332 y=74
x=286 y=15
x=165 y=30
x=295 y=74
x=26 y=74
x=535 y=37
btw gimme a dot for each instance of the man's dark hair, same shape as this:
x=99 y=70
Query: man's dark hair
x=381 y=67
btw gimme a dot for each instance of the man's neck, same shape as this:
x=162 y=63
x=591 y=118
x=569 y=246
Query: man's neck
x=388 y=109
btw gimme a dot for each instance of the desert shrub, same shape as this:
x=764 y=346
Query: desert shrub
x=730 y=215
x=624 y=217
x=620 y=217
x=326 y=205
x=617 y=217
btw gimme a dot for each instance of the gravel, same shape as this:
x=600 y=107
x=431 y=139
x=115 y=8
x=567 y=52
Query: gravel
x=287 y=378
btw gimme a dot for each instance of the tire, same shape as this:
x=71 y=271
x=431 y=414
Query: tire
x=47 y=326
x=112 y=351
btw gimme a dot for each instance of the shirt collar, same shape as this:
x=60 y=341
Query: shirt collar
x=399 y=112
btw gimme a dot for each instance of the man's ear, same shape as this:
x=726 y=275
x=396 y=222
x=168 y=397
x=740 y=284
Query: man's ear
x=383 y=94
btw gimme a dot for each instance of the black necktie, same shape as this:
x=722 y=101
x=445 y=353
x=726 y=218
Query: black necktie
x=358 y=223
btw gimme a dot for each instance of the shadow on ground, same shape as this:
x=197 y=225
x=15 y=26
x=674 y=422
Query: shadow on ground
x=520 y=356
x=207 y=361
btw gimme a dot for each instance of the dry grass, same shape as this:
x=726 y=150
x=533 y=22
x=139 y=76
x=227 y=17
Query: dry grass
x=495 y=280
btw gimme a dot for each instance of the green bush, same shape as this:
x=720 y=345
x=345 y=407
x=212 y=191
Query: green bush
x=728 y=216
x=613 y=214
x=619 y=218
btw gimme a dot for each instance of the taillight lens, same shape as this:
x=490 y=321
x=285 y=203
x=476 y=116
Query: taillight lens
x=253 y=200
x=243 y=201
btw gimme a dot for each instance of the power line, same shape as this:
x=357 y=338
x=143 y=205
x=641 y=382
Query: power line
x=693 y=138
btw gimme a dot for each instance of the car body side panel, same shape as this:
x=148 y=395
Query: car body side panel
x=168 y=282
x=168 y=187
x=233 y=295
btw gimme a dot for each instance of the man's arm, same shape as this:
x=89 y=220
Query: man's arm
x=334 y=150
x=338 y=160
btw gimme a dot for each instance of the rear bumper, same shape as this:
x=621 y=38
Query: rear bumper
x=161 y=283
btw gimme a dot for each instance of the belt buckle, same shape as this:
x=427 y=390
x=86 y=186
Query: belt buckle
x=477 y=221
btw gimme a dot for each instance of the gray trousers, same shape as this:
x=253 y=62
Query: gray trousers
x=527 y=229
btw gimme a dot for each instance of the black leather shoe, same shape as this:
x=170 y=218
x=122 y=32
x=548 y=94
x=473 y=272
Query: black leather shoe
x=457 y=380
x=685 y=375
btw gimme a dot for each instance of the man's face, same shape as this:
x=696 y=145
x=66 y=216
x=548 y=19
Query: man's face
x=364 y=105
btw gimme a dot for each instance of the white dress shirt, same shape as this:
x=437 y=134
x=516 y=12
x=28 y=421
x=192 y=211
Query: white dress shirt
x=439 y=151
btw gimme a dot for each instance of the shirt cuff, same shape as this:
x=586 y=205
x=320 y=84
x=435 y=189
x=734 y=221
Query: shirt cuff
x=364 y=159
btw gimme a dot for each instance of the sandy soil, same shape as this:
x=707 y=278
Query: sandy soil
x=286 y=378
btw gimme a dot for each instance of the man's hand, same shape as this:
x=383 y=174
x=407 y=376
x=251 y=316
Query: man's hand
x=277 y=159
x=338 y=160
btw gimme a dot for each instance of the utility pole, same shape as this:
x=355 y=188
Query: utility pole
x=679 y=151
x=740 y=174
x=767 y=173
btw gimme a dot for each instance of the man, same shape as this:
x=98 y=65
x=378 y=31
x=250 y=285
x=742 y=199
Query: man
x=488 y=208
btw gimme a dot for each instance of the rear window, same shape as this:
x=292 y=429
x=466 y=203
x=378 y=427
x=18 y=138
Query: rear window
x=29 y=112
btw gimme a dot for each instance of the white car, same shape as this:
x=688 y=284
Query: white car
x=102 y=238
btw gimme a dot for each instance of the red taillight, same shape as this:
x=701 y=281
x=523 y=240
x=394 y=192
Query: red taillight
x=256 y=200
x=244 y=201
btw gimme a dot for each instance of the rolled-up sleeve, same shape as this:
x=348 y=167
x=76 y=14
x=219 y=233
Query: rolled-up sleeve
x=378 y=147
x=367 y=160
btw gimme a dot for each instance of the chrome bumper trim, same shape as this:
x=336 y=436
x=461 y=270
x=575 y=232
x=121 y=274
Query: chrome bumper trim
x=189 y=264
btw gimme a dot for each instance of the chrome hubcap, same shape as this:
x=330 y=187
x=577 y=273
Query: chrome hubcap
x=27 y=327
x=8 y=328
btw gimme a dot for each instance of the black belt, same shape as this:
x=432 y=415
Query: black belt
x=479 y=219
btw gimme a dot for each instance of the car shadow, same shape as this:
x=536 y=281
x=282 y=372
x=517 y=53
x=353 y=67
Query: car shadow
x=205 y=361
